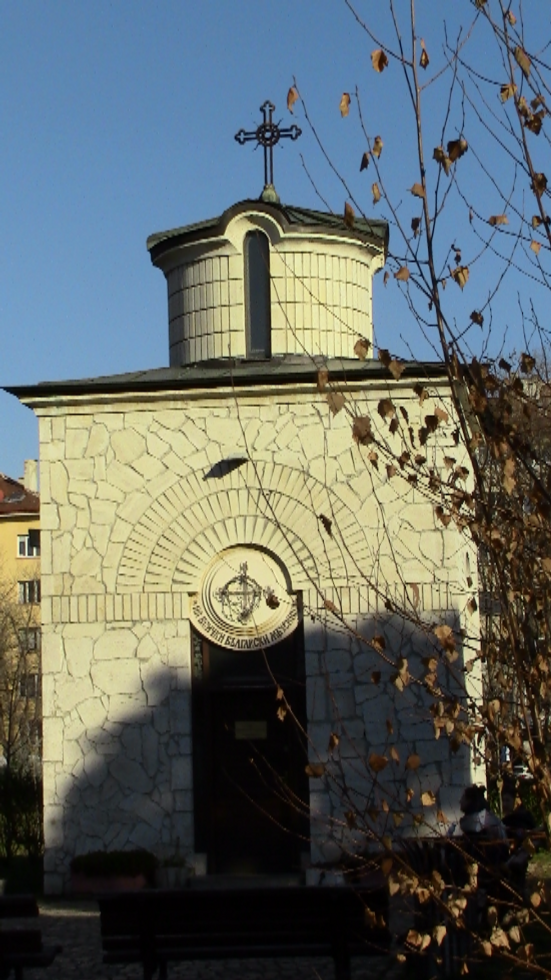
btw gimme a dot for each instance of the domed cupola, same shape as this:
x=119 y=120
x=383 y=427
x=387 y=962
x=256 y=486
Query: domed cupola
x=265 y=280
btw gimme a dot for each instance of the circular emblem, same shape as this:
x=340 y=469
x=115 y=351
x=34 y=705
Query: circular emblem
x=243 y=602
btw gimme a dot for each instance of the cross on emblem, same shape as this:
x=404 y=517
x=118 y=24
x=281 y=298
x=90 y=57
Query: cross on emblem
x=240 y=596
x=267 y=135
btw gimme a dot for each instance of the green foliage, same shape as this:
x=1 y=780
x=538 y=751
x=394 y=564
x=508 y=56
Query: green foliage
x=100 y=864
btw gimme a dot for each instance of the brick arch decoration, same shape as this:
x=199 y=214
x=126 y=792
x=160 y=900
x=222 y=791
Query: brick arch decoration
x=267 y=505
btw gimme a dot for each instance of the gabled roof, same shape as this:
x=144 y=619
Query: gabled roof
x=364 y=230
x=16 y=499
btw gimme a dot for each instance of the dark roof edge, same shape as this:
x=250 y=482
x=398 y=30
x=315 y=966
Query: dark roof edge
x=236 y=377
x=164 y=241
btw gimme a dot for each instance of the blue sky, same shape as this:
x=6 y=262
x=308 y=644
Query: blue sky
x=117 y=120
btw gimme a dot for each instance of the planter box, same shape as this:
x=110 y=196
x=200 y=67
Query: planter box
x=172 y=877
x=82 y=884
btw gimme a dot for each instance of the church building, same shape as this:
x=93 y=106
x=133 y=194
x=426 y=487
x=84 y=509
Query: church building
x=222 y=564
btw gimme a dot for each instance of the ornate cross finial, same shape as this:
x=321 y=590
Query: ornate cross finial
x=267 y=135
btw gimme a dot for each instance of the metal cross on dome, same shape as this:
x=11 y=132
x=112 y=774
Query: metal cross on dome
x=267 y=135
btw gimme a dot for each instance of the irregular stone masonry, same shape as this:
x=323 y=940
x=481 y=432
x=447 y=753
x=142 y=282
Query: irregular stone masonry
x=132 y=515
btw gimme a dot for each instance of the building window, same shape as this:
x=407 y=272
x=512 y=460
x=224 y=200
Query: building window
x=29 y=686
x=29 y=591
x=257 y=295
x=30 y=640
x=28 y=545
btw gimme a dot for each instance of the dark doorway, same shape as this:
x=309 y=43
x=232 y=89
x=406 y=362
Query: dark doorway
x=249 y=756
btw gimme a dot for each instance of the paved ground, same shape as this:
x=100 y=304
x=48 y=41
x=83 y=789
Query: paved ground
x=75 y=926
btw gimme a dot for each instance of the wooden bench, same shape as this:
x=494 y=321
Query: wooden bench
x=22 y=948
x=155 y=928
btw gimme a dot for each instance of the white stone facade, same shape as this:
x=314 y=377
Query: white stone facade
x=129 y=523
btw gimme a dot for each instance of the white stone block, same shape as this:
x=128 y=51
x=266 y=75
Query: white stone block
x=116 y=644
x=117 y=676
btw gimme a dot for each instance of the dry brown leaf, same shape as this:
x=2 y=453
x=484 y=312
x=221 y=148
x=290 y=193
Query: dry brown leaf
x=523 y=61
x=323 y=378
x=377 y=762
x=392 y=471
x=445 y=634
x=344 y=104
x=527 y=363
x=379 y=60
x=439 y=155
x=477 y=317
x=417 y=190
x=315 y=770
x=292 y=97
x=441 y=817
x=333 y=741
x=376 y=677
x=373 y=458
x=386 y=408
x=396 y=369
x=415 y=226
x=377 y=146
x=336 y=401
x=403 y=274
x=428 y=798
x=507 y=91
x=416 y=594
x=536 y=221
x=424 y=59
x=376 y=193
x=365 y=161
x=394 y=754
x=361 y=430
x=361 y=348
x=511 y=18
x=539 y=185
x=460 y=275
x=535 y=246
x=386 y=277
x=349 y=215
x=413 y=762
x=281 y=713
x=441 y=414
x=456 y=149
x=498 y=219
x=386 y=866
x=438 y=934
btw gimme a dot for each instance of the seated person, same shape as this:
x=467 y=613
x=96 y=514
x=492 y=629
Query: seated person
x=484 y=833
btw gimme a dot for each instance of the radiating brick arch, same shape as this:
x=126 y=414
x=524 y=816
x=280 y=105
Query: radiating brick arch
x=268 y=506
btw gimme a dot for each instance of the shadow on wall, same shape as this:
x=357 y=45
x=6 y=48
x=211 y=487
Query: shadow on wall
x=126 y=777
x=125 y=780
x=391 y=760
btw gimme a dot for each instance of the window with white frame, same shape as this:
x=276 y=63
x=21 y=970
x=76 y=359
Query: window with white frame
x=28 y=545
x=29 y=591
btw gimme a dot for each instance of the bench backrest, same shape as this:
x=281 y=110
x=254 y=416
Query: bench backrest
x=222 y=917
